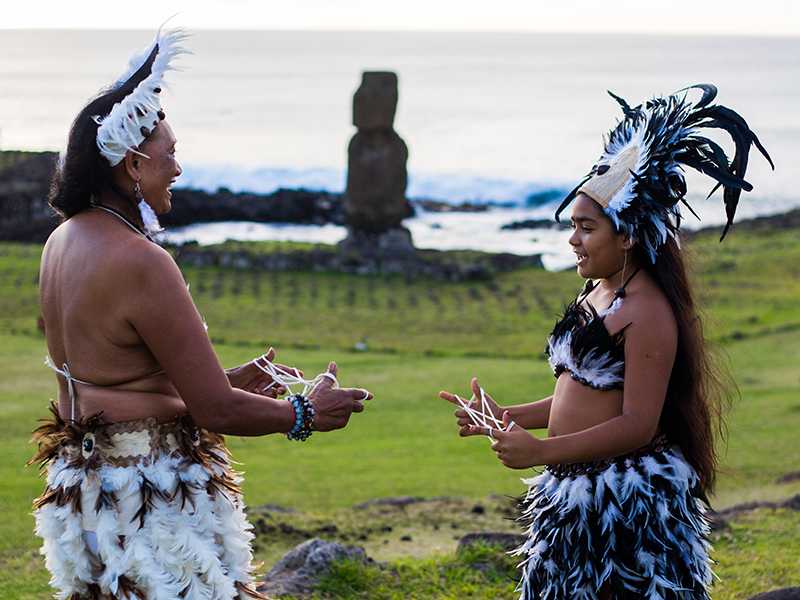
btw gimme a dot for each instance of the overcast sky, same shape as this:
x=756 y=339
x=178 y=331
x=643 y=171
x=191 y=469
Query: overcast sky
x=703 y=17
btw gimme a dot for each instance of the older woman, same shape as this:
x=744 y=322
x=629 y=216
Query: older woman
x=141 y=500
x=632 y=421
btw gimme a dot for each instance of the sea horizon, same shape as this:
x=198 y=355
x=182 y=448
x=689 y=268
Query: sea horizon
x=487 y=117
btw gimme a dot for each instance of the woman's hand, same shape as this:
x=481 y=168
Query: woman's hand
x=490 y=410
x=250 y=378
x=514 y=446
x=333 y=406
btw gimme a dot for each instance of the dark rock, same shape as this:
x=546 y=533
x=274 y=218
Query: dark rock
x=720 y=520
x=375 y=101
x=273 y=508
x=301 y=569
x=375 y=198
x=430 y=263
x=535 y=224
x=282 y=206
x=789 y=593
x=396 y=501
x=792 y=503
x=788 y=477
x=445 y=207
x=391 y=242
x=507 y=541
x=25 y=177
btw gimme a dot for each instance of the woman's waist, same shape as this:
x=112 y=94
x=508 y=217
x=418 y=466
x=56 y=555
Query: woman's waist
x=93 y=441
x=121 y=404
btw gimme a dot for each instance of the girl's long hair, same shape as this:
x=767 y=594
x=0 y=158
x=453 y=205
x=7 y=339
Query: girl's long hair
x=700 y=388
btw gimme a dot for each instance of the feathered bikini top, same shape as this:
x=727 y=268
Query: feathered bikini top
x=581 y=345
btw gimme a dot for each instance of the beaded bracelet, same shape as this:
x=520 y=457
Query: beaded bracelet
x=304 y=418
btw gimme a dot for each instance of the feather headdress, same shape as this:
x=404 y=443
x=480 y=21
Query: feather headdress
x=639 y=178
x=133 y=119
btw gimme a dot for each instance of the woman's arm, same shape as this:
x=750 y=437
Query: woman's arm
x=164 y=315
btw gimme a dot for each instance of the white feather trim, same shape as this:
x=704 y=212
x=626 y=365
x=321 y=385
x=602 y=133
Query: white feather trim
x=120 y=130
x=198 y=553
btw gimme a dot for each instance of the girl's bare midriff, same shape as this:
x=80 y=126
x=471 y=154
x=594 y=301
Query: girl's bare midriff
x=576 y=407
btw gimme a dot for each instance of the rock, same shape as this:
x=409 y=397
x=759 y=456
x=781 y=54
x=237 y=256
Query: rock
x=375 y=101
x=282 y=206
x=25 y=177
x=396 y=501
x=301 y=569
x=507 y=541
x=375 y=198
x=390 y=242
x=788 y=477
x=789 y=593
x=535 y=224
x=792 y=503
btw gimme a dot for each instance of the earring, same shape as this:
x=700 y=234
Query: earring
x=137 y=193
x=149 y=217
x=620 y=293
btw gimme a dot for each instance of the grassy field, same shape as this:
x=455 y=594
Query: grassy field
x=423 y=336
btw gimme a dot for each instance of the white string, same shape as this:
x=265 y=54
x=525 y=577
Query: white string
x=70 y=381
x=484 y=417
x=289 y=379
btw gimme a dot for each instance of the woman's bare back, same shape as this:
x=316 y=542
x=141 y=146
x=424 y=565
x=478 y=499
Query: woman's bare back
x=87 y=288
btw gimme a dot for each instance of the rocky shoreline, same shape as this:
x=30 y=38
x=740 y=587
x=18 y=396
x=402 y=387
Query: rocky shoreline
x=25 y=215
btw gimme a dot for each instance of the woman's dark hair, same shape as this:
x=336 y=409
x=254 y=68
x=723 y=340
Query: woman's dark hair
x=700 y=386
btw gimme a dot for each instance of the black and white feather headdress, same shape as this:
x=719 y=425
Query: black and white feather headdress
x=639 y=178
x=133 y=119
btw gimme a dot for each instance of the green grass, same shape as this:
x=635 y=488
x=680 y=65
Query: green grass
x=423 y=336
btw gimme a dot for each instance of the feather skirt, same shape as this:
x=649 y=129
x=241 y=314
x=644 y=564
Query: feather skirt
x=141 y=510
x=631 y=525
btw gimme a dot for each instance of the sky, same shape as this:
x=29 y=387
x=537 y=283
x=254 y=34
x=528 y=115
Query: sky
x=692 y=17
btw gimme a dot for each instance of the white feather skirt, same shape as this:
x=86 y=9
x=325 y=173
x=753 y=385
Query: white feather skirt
x=631 y=525
x=141 y=510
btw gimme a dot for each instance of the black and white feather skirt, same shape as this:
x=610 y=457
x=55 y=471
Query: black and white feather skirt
x=632 y=525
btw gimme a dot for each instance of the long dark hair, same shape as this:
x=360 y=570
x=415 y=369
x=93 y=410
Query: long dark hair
x=700 y=388
x=83 y=172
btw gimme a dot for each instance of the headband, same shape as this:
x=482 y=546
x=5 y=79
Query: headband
x=133 y=119
x=639 y=178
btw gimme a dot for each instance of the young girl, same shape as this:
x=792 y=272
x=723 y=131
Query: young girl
x=631 y=424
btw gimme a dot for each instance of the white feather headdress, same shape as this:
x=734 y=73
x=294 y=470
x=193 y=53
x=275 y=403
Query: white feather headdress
x=133 y=119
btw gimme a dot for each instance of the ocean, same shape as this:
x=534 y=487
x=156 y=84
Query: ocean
x=511 y=119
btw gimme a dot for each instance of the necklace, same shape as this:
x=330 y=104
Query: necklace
x=128 y=223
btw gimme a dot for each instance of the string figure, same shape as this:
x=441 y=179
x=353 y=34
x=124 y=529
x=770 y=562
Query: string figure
x=484 y=417
x=289 y=379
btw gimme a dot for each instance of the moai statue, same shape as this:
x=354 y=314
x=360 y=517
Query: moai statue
x=375 y=200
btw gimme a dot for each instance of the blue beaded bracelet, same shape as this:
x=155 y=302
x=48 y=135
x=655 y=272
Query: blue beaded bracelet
x=304 y=418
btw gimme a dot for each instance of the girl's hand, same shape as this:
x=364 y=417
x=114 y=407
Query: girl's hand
x=250 y=378
x=516 y=448
x=488 y=408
